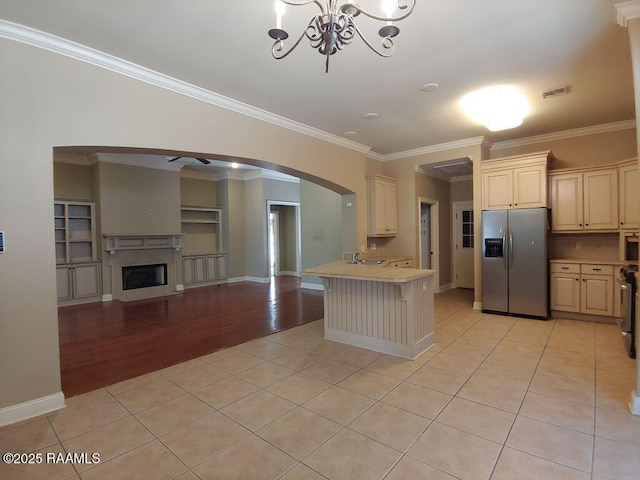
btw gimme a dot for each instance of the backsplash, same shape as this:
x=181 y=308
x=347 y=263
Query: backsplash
x=585 y=246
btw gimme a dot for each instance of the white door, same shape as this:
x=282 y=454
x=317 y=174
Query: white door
x=425 y=235
x=463 y=248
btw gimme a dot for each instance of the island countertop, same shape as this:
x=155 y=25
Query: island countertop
x=377 y=273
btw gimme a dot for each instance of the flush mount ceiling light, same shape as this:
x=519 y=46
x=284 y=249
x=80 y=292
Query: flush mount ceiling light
x=334 y=27
x=498 y=108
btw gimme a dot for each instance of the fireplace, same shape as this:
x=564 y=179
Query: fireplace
x=144 y=276
x=144 y=265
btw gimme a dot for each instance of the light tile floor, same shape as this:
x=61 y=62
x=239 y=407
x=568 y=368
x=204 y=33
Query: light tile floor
x=497 y=398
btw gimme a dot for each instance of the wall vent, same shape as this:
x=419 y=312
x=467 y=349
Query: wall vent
x=556 y=92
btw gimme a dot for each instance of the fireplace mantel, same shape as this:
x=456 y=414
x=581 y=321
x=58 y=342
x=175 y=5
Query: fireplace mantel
x=142 y=241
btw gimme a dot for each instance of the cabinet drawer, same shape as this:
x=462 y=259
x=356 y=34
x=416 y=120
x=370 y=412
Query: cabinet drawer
x=565 y=268
x=597 y=269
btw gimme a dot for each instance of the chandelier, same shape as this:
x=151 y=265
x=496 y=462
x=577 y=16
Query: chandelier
x=335 y=26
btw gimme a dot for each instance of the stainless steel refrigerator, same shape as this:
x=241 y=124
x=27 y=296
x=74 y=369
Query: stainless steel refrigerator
x=514 y=262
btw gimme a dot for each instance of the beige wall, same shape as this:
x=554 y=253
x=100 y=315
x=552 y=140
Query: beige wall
x=462 y=191
x=138 y=200
x=72 y=181
x=321 y=226
x=412 y=186
x=582 y=151
x=440 y=191
x=194 y=191
x=50 y=100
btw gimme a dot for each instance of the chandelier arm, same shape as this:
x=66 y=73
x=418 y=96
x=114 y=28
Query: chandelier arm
x=280 y=43
x=410 y=6
x=374 y=49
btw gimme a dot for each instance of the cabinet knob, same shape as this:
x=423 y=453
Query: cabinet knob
x=579 y=224
x=586 y=224
x=516 y=204
x=621 y=223
x=577 y=279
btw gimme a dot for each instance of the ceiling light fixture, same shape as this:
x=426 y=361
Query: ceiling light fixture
x=334 y=27
x=498 y=108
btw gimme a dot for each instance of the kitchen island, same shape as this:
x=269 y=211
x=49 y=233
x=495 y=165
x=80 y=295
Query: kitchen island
x=386 y=309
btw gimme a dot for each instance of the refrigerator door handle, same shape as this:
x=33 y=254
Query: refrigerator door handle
x=510 y=248
x=504 y=246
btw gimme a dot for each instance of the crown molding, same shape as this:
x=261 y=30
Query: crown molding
x=52 y=43
x=467 y=142
x=564 y=134
x=627 y=11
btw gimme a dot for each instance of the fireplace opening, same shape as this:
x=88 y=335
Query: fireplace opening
x=143 y=276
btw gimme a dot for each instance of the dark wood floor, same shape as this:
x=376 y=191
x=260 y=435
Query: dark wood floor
x=104 y=343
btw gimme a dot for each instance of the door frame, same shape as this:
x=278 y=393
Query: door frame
x=298 y=232
x=435 y=237
x=454 y=223
x=274 y=269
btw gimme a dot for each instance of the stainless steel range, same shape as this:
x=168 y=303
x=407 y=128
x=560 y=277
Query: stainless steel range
x=627 y=320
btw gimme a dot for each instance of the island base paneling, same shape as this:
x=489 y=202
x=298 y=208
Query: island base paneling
x=392 y=318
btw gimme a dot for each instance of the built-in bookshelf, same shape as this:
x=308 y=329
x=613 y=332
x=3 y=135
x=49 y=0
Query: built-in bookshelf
x=75 y=232
x=202 y=228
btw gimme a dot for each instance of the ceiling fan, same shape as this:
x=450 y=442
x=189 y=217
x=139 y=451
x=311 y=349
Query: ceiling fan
x=204 y=161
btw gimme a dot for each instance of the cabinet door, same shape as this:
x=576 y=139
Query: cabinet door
x=187 y=270
x=596 y=295
x=601 y=200
x=566 y=201
x=530 y=187
x=86 y=280
x=221 y=267
x=629 y=183
x=383 y=205
x=565 y=292
x=199 y=269
x=63 y=281
x=497 y=190
x=391 y=208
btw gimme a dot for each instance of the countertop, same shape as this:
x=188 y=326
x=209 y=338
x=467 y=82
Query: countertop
x=592 y=261
x=376 y=273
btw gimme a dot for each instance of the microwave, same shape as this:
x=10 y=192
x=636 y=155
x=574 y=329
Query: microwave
x=630 y=246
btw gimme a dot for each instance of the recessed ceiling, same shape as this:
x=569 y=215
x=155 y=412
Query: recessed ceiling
x=535 y=45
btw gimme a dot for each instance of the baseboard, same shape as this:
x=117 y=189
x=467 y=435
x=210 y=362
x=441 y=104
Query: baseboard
x=477 y=305
x=288 y=273
x=634 y=404
x=32 y=408
x=444 y=288
x=312 y=286
x=107 y=297
x=249 y=279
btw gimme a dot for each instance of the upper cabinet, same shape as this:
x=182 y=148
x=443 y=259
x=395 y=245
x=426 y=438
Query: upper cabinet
x=382 y=206
x=629 y=195
x=585 y=200
x=515 y=182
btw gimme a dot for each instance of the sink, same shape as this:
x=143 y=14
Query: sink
x=370 y=262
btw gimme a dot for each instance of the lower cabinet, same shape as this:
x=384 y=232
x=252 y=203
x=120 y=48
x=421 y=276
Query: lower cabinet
x=78 y=281
x=582 y=288
x=200 y=269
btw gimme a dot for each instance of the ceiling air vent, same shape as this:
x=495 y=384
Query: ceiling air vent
x=555 y=92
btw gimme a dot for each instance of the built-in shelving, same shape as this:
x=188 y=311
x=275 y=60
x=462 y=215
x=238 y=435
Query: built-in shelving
x=74 y=225
x=201 y=228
